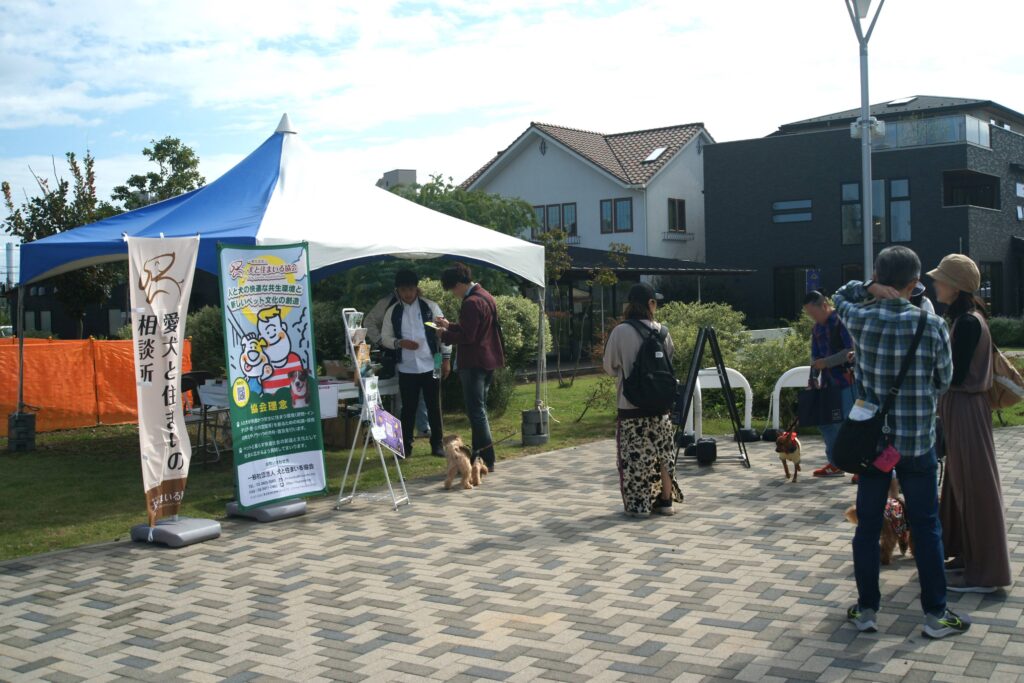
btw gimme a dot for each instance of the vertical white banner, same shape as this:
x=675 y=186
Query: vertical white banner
x=160 y=275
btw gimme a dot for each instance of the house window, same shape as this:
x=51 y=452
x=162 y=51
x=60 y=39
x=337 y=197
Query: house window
x=853 y=232
x=968 y=188
x=792 y=211
x=569 y=218
x=789 y=290
x=554 y=221
x=624 y=215
x=852 y=271
x=899 y=210
x=677 y=215
x=991 y=291
x=539 y=213
x=607 y=220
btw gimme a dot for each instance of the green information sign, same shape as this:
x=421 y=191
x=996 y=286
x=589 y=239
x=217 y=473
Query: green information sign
x=271 y=367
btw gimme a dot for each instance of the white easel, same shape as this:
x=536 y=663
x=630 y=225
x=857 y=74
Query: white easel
x=352 y=319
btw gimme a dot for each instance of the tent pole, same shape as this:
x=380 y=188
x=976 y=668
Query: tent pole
x=21 y=349
x=541 y=360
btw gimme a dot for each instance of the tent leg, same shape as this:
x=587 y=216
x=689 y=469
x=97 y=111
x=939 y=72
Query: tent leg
x=21 y=348
x=535 y=422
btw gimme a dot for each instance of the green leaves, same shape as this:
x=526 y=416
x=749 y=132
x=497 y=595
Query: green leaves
x=178 y=173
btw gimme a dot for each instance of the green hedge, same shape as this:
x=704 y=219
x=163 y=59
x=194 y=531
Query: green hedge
x=1008 y=332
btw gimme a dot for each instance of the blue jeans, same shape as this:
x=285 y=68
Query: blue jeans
x=918 y=479
x=475 y=384
x=830 y=432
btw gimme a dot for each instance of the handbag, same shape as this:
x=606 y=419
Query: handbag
x=1007 y=384
x=860 y=442
x=822 y=405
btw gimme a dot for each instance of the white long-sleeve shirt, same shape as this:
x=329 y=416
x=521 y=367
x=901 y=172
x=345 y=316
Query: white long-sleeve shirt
x=421 y=360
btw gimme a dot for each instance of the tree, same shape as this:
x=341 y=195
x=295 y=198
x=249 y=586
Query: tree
x=508 y=216
x=56 y=210
x=178 y=173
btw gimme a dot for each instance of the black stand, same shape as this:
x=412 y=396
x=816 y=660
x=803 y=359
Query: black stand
x=705 y=336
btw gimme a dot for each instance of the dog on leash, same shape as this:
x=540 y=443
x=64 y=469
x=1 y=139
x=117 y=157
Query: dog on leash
x=895 y=528
x=788 y=448
x=462 y=463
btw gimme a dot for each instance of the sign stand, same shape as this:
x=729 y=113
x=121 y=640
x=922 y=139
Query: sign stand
x=177 y=532
x=707 y=336
x=352 y=319
x=268 y=513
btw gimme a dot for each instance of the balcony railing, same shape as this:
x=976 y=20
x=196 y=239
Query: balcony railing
x=941 y=130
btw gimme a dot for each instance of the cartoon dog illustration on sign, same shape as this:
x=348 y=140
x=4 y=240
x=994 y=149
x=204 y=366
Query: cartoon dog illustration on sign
x=254 y=364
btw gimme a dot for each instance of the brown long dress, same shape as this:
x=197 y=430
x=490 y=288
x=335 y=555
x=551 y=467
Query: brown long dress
x=971 y=508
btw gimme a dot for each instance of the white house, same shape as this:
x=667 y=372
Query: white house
x=643 y=188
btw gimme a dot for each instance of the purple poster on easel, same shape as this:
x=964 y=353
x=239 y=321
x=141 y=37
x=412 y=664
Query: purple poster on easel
x=387 y=430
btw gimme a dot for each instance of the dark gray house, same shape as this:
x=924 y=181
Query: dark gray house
x=948 y=176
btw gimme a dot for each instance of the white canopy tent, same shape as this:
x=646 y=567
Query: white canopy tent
x=283 y=192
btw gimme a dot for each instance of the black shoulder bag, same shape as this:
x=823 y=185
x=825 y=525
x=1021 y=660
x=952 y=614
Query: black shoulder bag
x=859 y=443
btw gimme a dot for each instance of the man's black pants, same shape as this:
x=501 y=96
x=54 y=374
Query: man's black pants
x=410 y=386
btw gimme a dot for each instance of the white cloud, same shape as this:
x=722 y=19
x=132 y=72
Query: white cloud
x=444 y=88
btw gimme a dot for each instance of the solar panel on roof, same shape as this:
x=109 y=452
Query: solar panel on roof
x=902 y=100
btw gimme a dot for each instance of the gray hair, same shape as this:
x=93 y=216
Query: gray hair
x=897 y=267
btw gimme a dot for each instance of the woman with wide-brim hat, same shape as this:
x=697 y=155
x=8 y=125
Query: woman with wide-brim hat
x=971 y=509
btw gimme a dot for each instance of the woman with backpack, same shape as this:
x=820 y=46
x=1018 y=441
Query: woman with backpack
x=644 y=436
x=971 y=505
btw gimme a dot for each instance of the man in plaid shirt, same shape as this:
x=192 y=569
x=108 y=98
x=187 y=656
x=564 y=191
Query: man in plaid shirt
x=882 y=329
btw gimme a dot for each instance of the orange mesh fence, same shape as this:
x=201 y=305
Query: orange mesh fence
x=78 y=383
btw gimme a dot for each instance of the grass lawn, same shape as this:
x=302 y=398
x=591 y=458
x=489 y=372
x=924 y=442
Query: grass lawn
x=85 y=486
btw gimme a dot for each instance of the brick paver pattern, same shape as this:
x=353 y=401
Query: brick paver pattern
x=536 y=575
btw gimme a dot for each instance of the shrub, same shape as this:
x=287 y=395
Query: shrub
x=329 y=331
x=123 y=332
x=206 y=328
x=39 y=334
x=1007 y=331
x=684 y=319
x=763 y=364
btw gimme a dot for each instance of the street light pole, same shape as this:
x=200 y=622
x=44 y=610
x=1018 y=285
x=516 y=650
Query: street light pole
x=858 y=10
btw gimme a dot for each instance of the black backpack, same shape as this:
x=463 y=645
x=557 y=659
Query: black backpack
x=652 y=384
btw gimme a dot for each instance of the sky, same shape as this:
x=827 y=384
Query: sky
x=441 y=86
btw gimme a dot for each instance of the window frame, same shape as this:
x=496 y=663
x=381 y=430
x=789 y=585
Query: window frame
x=884 y=237
x=541 y=219
x=607 y=228
x=615 y=214
x=575 y=221
x=676 y=215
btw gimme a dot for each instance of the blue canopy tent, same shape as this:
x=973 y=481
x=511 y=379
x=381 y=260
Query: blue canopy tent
x=279 y=194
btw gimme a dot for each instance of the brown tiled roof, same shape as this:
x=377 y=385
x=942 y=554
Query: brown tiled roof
x=620 y=154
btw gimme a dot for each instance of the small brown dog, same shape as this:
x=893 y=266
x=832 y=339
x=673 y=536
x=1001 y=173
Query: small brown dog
x=788 y=448
x=461 y=462
x=895 y=528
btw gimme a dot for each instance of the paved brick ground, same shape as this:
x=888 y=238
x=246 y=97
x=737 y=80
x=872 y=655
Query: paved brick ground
x=535 y=576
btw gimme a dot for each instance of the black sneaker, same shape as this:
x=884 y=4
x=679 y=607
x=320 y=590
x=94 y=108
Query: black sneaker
x=949 y=624
x=438 y=452
x=863 y=619
x=663 y=506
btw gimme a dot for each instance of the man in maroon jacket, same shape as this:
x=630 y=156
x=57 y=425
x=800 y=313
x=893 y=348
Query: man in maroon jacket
x=478 y=336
